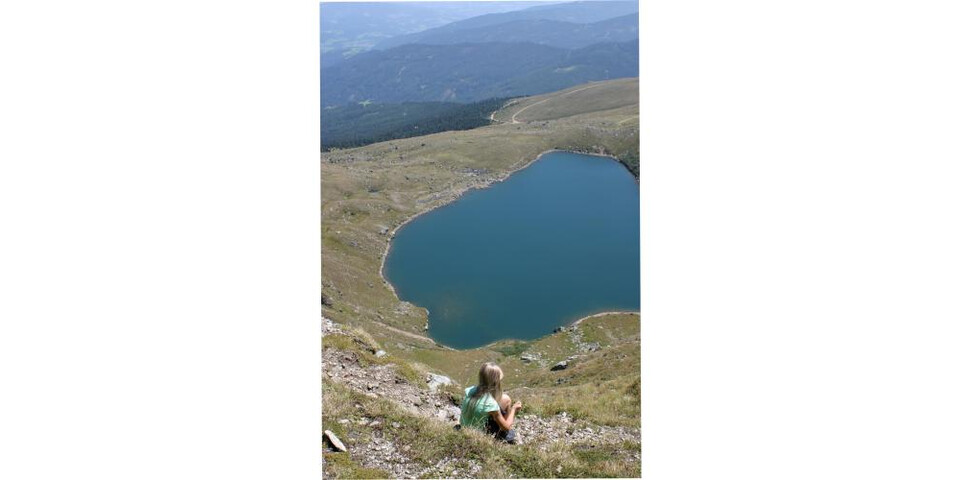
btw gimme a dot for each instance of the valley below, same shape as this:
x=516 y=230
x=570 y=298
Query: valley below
x=576 y=382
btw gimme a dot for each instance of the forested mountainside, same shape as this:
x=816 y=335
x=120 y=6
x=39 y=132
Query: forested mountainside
x=356 y=124
x=471 y=72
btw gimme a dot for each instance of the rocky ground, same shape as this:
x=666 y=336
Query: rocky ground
x=438 y=404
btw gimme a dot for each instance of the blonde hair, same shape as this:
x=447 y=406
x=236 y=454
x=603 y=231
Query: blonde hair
x=488 y=381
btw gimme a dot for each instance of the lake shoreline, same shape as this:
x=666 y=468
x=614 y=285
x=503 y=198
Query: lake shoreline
x=603 y=314
x=457 y=194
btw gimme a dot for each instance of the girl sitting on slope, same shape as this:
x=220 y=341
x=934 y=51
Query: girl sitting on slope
x=486 y=408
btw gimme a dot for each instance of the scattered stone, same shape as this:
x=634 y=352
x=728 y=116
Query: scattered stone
x=334 y=441
x=559 y=329
x=325 y=300
x=559 y=366
x=344 y=421
x=376 y=447
x=380 y=353
x=526 y=357
x=434 y=381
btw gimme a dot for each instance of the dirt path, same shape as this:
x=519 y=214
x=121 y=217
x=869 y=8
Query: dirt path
x=404 y=332
x=513 y=119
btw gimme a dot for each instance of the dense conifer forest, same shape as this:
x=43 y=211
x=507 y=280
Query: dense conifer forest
x=358 y=124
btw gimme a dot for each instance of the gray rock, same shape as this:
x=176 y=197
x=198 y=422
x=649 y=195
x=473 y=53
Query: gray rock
x=380 y=353
x=434 y=381
x=559 y=366
x=526 y=357
x=453 y=413
x=334 y=441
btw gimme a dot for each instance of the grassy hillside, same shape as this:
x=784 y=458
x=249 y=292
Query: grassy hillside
x=608 y=97
x=367 y=193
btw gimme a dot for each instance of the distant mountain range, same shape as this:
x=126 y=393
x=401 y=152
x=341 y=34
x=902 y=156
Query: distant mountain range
x=358 y=26
x=541 y=24
x=471 y=72
x=544 y=32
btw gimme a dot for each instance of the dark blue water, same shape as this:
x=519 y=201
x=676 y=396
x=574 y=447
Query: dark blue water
x=554 y=242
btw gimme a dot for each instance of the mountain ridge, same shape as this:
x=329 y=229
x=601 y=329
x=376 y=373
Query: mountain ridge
x=470 y=72
x=572 y=12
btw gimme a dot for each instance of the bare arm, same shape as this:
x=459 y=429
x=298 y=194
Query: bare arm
x=506 y=423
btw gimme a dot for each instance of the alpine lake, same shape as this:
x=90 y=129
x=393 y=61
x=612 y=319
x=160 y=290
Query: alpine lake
x=556 y=241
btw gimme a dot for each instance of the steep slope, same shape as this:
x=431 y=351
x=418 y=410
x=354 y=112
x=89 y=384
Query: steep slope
x=573 y=12
x=394 y=425
x=471 y=72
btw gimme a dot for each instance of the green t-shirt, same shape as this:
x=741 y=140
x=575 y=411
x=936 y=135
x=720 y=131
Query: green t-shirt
x=476 y=417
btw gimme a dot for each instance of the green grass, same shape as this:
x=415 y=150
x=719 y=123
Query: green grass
x=339 y=465
x=572 y=101
x=510 y=347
